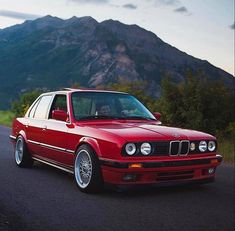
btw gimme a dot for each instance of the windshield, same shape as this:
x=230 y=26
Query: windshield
x=105 y=105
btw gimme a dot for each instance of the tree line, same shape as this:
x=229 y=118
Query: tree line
x=195 y=103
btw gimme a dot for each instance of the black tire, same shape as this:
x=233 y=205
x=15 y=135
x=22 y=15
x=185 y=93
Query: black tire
x=87 y=170
x=23 y=158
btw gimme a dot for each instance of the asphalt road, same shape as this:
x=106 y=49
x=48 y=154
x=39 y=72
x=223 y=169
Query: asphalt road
x=43 y=198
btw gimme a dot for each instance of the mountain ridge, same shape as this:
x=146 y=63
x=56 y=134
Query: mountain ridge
x=50 y=53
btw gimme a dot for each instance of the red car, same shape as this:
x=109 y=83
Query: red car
x=110 y=137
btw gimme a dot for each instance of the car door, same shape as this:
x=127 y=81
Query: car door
x=55 y=140
x=35 y=124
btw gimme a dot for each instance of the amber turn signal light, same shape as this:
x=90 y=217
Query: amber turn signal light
x=215 y=161
x=135 y=165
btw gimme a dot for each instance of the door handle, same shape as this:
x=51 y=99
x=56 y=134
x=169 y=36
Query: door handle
x=44 y=128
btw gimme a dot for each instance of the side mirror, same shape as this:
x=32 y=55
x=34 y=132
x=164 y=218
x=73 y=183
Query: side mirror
x=157 y=115
x=59 y=115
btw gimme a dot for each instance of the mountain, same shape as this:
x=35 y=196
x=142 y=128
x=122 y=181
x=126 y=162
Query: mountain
x=51 y=53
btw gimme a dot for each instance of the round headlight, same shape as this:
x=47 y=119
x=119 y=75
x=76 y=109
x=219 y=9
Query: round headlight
x=202 y=146
x=145 y=148
x=192 y=146
x=130 y=149
x=211 y=146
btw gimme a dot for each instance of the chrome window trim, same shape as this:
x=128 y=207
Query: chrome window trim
x=69 y=122
x=31 y=107
x=67 y=104
x=35 y=104
x=53 y=165
x=49 y=105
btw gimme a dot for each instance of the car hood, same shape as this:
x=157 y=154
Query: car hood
x=135 y=131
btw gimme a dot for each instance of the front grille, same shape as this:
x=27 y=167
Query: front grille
x=174 y=148
x=184 y=147
x=163 y=148
x=179 y=147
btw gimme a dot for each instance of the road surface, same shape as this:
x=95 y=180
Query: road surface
x=44 y=198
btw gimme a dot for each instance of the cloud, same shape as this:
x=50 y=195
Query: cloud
x=90 y=1
x=232 y=26
x=18 y=15
x=167 y=2
x=130 y=6
x=181 y=10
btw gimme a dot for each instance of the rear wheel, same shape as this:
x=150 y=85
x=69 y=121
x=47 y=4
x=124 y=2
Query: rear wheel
x=87 y=170
x=22 y=156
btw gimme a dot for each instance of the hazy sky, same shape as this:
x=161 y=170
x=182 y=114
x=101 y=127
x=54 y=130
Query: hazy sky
x=202 y=28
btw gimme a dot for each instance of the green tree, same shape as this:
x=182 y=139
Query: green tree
x=197 y=103
x=137 y=89
x=191 y=110
x=170 y=103
x=20 y=106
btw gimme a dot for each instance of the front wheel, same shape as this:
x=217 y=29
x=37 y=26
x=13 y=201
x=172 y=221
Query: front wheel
x=87 y=170
x=23 y=158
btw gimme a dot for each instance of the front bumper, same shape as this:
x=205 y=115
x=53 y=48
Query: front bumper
x=187 y=170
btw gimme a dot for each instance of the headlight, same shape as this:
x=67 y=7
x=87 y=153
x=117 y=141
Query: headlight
x=211 y=146
x=192 y=146
x=130 y=149
x=202 y=146
x=145 y=148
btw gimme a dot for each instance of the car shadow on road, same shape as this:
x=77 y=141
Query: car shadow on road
x=133 y=191
x=153 y=190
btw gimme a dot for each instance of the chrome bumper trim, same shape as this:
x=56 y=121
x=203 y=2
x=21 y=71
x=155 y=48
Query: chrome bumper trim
x=12 y=137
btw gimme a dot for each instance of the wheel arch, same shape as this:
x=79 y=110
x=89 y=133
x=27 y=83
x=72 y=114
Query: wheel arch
x=23 y=134
x=90 y=142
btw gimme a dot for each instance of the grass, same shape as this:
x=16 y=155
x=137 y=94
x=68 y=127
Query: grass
x=226 y=146
x=227 y=150
x=6 y=118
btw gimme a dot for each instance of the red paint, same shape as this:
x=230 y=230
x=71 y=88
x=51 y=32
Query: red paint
x=56 y=141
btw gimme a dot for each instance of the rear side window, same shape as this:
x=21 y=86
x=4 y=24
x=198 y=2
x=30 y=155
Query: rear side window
x=32 y=111
x=42 y=108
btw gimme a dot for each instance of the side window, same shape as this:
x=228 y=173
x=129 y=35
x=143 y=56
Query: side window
x=32 y=111
x=42 y=107
x=59 y=103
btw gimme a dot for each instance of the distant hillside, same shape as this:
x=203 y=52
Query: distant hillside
x=51 y=53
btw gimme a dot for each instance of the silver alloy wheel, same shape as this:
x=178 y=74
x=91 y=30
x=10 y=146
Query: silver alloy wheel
x=19 y=149
x=83 y=168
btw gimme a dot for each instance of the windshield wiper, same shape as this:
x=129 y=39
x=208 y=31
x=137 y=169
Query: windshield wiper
x=138 y=118
x=98 y=117
x=93 y=117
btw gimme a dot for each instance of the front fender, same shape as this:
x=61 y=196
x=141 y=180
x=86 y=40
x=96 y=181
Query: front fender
x=22 y=133
x=92 y=142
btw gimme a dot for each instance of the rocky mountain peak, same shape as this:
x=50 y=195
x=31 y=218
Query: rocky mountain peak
x=87 y=20
x=47 y=21
x=50 y=52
